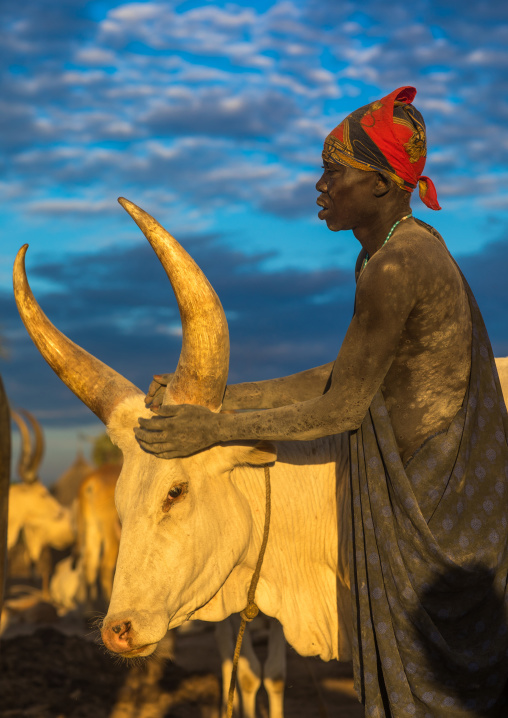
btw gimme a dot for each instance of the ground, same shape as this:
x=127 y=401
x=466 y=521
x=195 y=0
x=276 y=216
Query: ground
x=58 y=669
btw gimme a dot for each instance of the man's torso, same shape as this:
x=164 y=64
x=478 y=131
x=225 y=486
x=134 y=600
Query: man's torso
x=426 y=382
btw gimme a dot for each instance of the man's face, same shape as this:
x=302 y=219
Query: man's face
x=346 y=196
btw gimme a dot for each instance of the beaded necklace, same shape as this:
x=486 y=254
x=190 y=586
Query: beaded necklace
x=386 y=240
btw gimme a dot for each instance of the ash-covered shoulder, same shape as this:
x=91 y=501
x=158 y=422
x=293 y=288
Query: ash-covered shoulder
x=429 y=229
x=406 y=264
x=412 y=245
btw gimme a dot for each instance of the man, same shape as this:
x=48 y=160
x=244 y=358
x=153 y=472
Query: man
x=415 y=384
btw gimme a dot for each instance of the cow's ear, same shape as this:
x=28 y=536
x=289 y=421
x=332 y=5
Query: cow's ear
x=260 y=454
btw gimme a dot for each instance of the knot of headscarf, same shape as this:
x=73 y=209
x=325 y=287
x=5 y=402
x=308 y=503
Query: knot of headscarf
x=388 y=136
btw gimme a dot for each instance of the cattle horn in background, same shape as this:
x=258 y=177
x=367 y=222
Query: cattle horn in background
x=38 y=452
x=30 y=456
x=25 y=451
x=202 y=371
x=201 y=374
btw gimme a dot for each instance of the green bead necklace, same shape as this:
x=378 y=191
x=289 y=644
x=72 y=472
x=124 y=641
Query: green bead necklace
x=386 y=240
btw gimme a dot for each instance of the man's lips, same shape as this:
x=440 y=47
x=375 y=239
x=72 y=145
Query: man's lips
x=322 y=204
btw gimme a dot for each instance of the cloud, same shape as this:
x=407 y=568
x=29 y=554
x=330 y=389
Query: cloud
x=95 y=56
x=486 y=273
x=217 y=113
x=17 y=122
x=297 y=198
x=72 y=207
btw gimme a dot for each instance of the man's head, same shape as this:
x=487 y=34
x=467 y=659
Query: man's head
x=381 y=148
x=352 y=197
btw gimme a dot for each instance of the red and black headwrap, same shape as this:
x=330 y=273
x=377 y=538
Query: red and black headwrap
x=388 y=136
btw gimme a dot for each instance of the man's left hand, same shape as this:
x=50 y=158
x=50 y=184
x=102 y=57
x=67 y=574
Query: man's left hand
x=176 y=431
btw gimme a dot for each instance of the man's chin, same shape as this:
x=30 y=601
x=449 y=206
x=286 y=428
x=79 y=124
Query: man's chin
x=325 y=216
x=332 y=226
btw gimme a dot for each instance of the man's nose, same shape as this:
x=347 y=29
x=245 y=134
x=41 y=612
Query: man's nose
x=321 y=184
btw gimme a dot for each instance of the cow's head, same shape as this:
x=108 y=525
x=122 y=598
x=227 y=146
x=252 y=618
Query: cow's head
x=44 y=521
x=185 y=522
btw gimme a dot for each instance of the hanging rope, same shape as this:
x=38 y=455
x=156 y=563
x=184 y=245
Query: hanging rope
x=251 y=610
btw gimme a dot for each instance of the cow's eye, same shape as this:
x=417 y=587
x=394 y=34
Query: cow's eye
x=175 y=494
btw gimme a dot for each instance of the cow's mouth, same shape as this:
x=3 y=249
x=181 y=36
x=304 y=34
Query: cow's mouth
x=141 y=651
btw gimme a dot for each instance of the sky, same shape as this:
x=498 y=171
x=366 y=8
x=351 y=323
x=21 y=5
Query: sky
x=211 y=116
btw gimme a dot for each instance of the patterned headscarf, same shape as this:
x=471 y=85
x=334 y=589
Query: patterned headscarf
x=389 y=136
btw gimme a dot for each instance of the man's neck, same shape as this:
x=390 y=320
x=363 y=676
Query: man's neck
x=374 y=232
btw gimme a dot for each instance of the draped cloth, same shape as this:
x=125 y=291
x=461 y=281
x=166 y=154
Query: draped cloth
x=429 y=558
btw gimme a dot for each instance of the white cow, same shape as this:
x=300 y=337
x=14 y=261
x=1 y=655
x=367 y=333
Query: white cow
x=66 y=588
x=34 y=514
x=41 y=519
x=192 y=527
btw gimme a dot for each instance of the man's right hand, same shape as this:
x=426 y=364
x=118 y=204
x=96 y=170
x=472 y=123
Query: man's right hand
x=155 y=397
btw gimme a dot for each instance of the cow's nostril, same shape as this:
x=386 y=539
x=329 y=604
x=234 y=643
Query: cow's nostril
x=121 y=629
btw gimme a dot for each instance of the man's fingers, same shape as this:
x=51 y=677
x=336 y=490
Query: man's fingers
x=163 y=379
x=171 y=455
x=157 y=422
x=150 y=437
x=156 y=448
x=159 y=384
x=162 y=451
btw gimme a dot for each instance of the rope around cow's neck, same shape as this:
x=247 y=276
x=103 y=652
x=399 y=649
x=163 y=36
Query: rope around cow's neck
x=251 y=610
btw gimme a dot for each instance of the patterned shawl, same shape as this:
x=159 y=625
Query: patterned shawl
x=429 y=558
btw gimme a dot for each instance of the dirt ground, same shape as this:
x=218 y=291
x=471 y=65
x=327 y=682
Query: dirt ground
x=57 y=668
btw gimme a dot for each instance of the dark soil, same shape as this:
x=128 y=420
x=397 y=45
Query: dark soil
x=46 y=673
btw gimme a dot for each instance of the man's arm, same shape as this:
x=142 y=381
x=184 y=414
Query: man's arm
x=386 y=294
x=283 y=391
x=266 y=394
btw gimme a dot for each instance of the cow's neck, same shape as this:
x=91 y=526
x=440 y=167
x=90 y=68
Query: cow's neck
x=298 y=583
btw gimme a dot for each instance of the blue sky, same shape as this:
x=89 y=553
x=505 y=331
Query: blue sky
x=211 y=116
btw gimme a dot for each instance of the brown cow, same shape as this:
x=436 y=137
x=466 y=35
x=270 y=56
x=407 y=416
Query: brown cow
x=98 y=530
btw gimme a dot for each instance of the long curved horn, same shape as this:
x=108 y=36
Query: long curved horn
x=98 y=386
x=25 y=449
x=202 y=371
x=38 y=451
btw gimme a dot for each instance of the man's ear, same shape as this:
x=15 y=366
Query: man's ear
x=383 y=184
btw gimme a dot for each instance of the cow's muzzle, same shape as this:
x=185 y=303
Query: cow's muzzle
x=120 y=638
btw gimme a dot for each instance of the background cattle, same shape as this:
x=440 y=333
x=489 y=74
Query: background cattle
x=98 y=531
x=65 y=489
x=36 y=520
